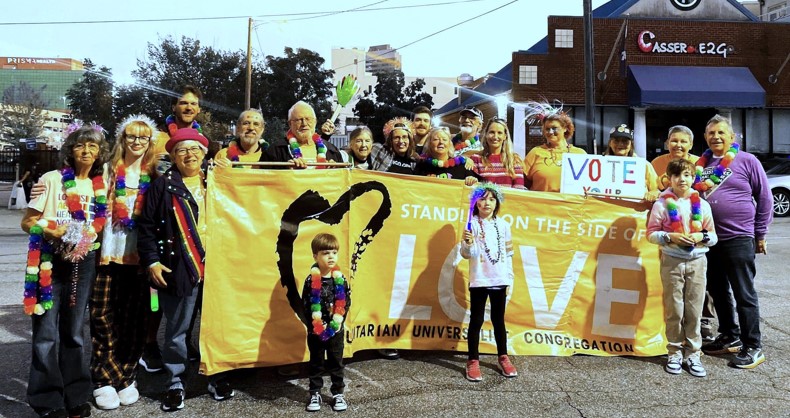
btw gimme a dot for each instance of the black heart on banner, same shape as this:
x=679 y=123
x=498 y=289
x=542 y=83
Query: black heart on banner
x=311 y=205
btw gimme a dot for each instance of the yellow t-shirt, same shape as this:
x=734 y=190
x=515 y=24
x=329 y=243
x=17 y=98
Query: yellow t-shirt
x=660 y=164
x=250 y=157
x=543 y=167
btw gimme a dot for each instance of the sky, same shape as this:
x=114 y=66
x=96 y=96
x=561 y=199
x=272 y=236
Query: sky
x=483 y=44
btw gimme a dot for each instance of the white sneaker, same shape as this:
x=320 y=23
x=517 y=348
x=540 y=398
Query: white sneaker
x=314 y=404
x=340 y=403
x=694 y=366
x=674 y=363
x=129 y=395
x=106 y=398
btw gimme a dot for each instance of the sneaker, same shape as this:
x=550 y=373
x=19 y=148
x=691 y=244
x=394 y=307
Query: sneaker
x=694 y=366
x=473 y=371
x=314 y=404
x=506 y=367
x=723 y=344
x=129 y=394
x=106 y=398
x=221 y=390
x=748 y=358
x=151 y=360
x=339 y=403
x=174 y=400
x=389 y=354
x=80 y=411
x=706 y=330
x=674 y=363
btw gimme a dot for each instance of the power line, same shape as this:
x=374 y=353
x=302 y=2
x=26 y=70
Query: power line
x=327 y=14
x=190 y=19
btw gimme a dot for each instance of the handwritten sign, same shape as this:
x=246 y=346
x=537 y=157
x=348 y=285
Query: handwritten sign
x=619 y=176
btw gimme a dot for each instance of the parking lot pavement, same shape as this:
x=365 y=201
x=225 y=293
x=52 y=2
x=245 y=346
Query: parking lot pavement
x=431 y=384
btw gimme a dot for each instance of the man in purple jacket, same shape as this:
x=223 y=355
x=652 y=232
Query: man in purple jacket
x=736 y=187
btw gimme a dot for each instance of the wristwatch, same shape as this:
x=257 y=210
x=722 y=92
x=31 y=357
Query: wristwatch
x=705 y=236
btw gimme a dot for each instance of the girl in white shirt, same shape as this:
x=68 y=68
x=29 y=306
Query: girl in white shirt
x=489 y=248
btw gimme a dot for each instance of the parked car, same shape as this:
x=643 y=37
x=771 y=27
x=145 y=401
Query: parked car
x=779 y=182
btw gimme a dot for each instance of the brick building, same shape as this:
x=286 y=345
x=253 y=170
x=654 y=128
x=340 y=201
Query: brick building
x=685 y=60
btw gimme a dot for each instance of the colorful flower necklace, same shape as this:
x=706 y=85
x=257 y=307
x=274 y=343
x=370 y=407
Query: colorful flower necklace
x=450 y=162
x=170 y=121
x=461 y=143
x=695 y=224
x=234 y=150
x=296 y=151
x=485 y=244
x=320 y=327
x=38 y=274
x=120 y=211
x=715 y=178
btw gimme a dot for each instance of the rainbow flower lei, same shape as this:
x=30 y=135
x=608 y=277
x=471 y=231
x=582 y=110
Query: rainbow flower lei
x=120 y=212
x=38 y=273
x=320 y=327
x=234 y=151
x=296 y=151
x=695 y=225
x=715 y=178
x=450 y=162
x=172 y=128
x=460 y=143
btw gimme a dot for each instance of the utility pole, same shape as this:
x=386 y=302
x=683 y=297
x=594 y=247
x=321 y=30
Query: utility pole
x=589 y=79
x=248 y=88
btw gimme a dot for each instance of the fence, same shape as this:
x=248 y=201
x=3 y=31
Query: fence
x=37 y=161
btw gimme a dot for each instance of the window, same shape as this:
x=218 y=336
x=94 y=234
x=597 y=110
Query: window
x=434 y=89
x=563 y=38
x=527 y=74
x=777 y=11
x=455 y=90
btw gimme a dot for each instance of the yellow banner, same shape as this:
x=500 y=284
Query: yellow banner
x=586 y=279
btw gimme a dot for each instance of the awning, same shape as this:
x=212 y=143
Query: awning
x=672 y=86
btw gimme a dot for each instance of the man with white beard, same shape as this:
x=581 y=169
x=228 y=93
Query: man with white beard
x=468 y=140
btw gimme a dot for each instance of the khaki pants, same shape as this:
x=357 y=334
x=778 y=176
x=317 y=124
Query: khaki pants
x=684 y=292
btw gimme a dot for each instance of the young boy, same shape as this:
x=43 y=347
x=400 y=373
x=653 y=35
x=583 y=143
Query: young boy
x=327 y=298
x=681 y=223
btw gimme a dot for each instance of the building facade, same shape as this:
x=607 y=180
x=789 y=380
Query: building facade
x=51 y=76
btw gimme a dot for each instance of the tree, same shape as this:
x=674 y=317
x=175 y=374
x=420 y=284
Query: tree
x=22 y=113
x=91 y=98
x=391 y=98
x=135 y=99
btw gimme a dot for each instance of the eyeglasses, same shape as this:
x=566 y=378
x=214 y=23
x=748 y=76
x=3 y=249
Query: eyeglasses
x=143 y=139
x=300 y=121
x=91 y=146
x=192 y=150
x=553 y=130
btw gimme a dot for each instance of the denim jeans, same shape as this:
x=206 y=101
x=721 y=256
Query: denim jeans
x=731 y=265
x=59 y=373
x=177 y=311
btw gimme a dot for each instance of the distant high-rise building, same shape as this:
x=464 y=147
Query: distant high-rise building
x=52 y=77
x=382 y=58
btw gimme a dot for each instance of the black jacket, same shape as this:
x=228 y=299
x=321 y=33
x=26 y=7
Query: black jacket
x=279 y=151
x=158 y=239
x=327 y=297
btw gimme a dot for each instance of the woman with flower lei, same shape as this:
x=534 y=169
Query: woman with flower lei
x=397 y=154
x=120 y=297
x=64 y=223
x=439 y=162
x=543 y=164
x=497 y=163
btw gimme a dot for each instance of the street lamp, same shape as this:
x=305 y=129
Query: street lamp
x=64 y=102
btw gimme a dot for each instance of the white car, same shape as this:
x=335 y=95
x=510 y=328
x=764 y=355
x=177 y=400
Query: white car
x=779 y=182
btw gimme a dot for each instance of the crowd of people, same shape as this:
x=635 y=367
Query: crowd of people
x=120 y=231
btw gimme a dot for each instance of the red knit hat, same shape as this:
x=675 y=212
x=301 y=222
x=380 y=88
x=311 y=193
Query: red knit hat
x=185 y=134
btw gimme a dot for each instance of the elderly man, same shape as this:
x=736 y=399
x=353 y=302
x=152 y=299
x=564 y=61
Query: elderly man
x=468 y=140
x=421 y=118
x=169 y=244
x=302 y=145
x=248 y=145
x=735 y=185
x=679 y=141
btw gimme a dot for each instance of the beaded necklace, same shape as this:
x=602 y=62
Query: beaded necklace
x=450 y=162
x=485 y=244
x=38 y=274
x=461 y=143
x=320 y=327
x=172 y=128
x=120 y=211
x=695 y=223
x=715 y=178
x=296 y=151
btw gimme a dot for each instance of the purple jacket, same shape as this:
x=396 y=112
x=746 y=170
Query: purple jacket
x=742 y=204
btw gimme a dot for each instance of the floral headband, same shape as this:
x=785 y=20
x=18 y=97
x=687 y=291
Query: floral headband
x=397 y=123
x=77 y=124
x=481 y=189
x=537 y=112
x=137 y=118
